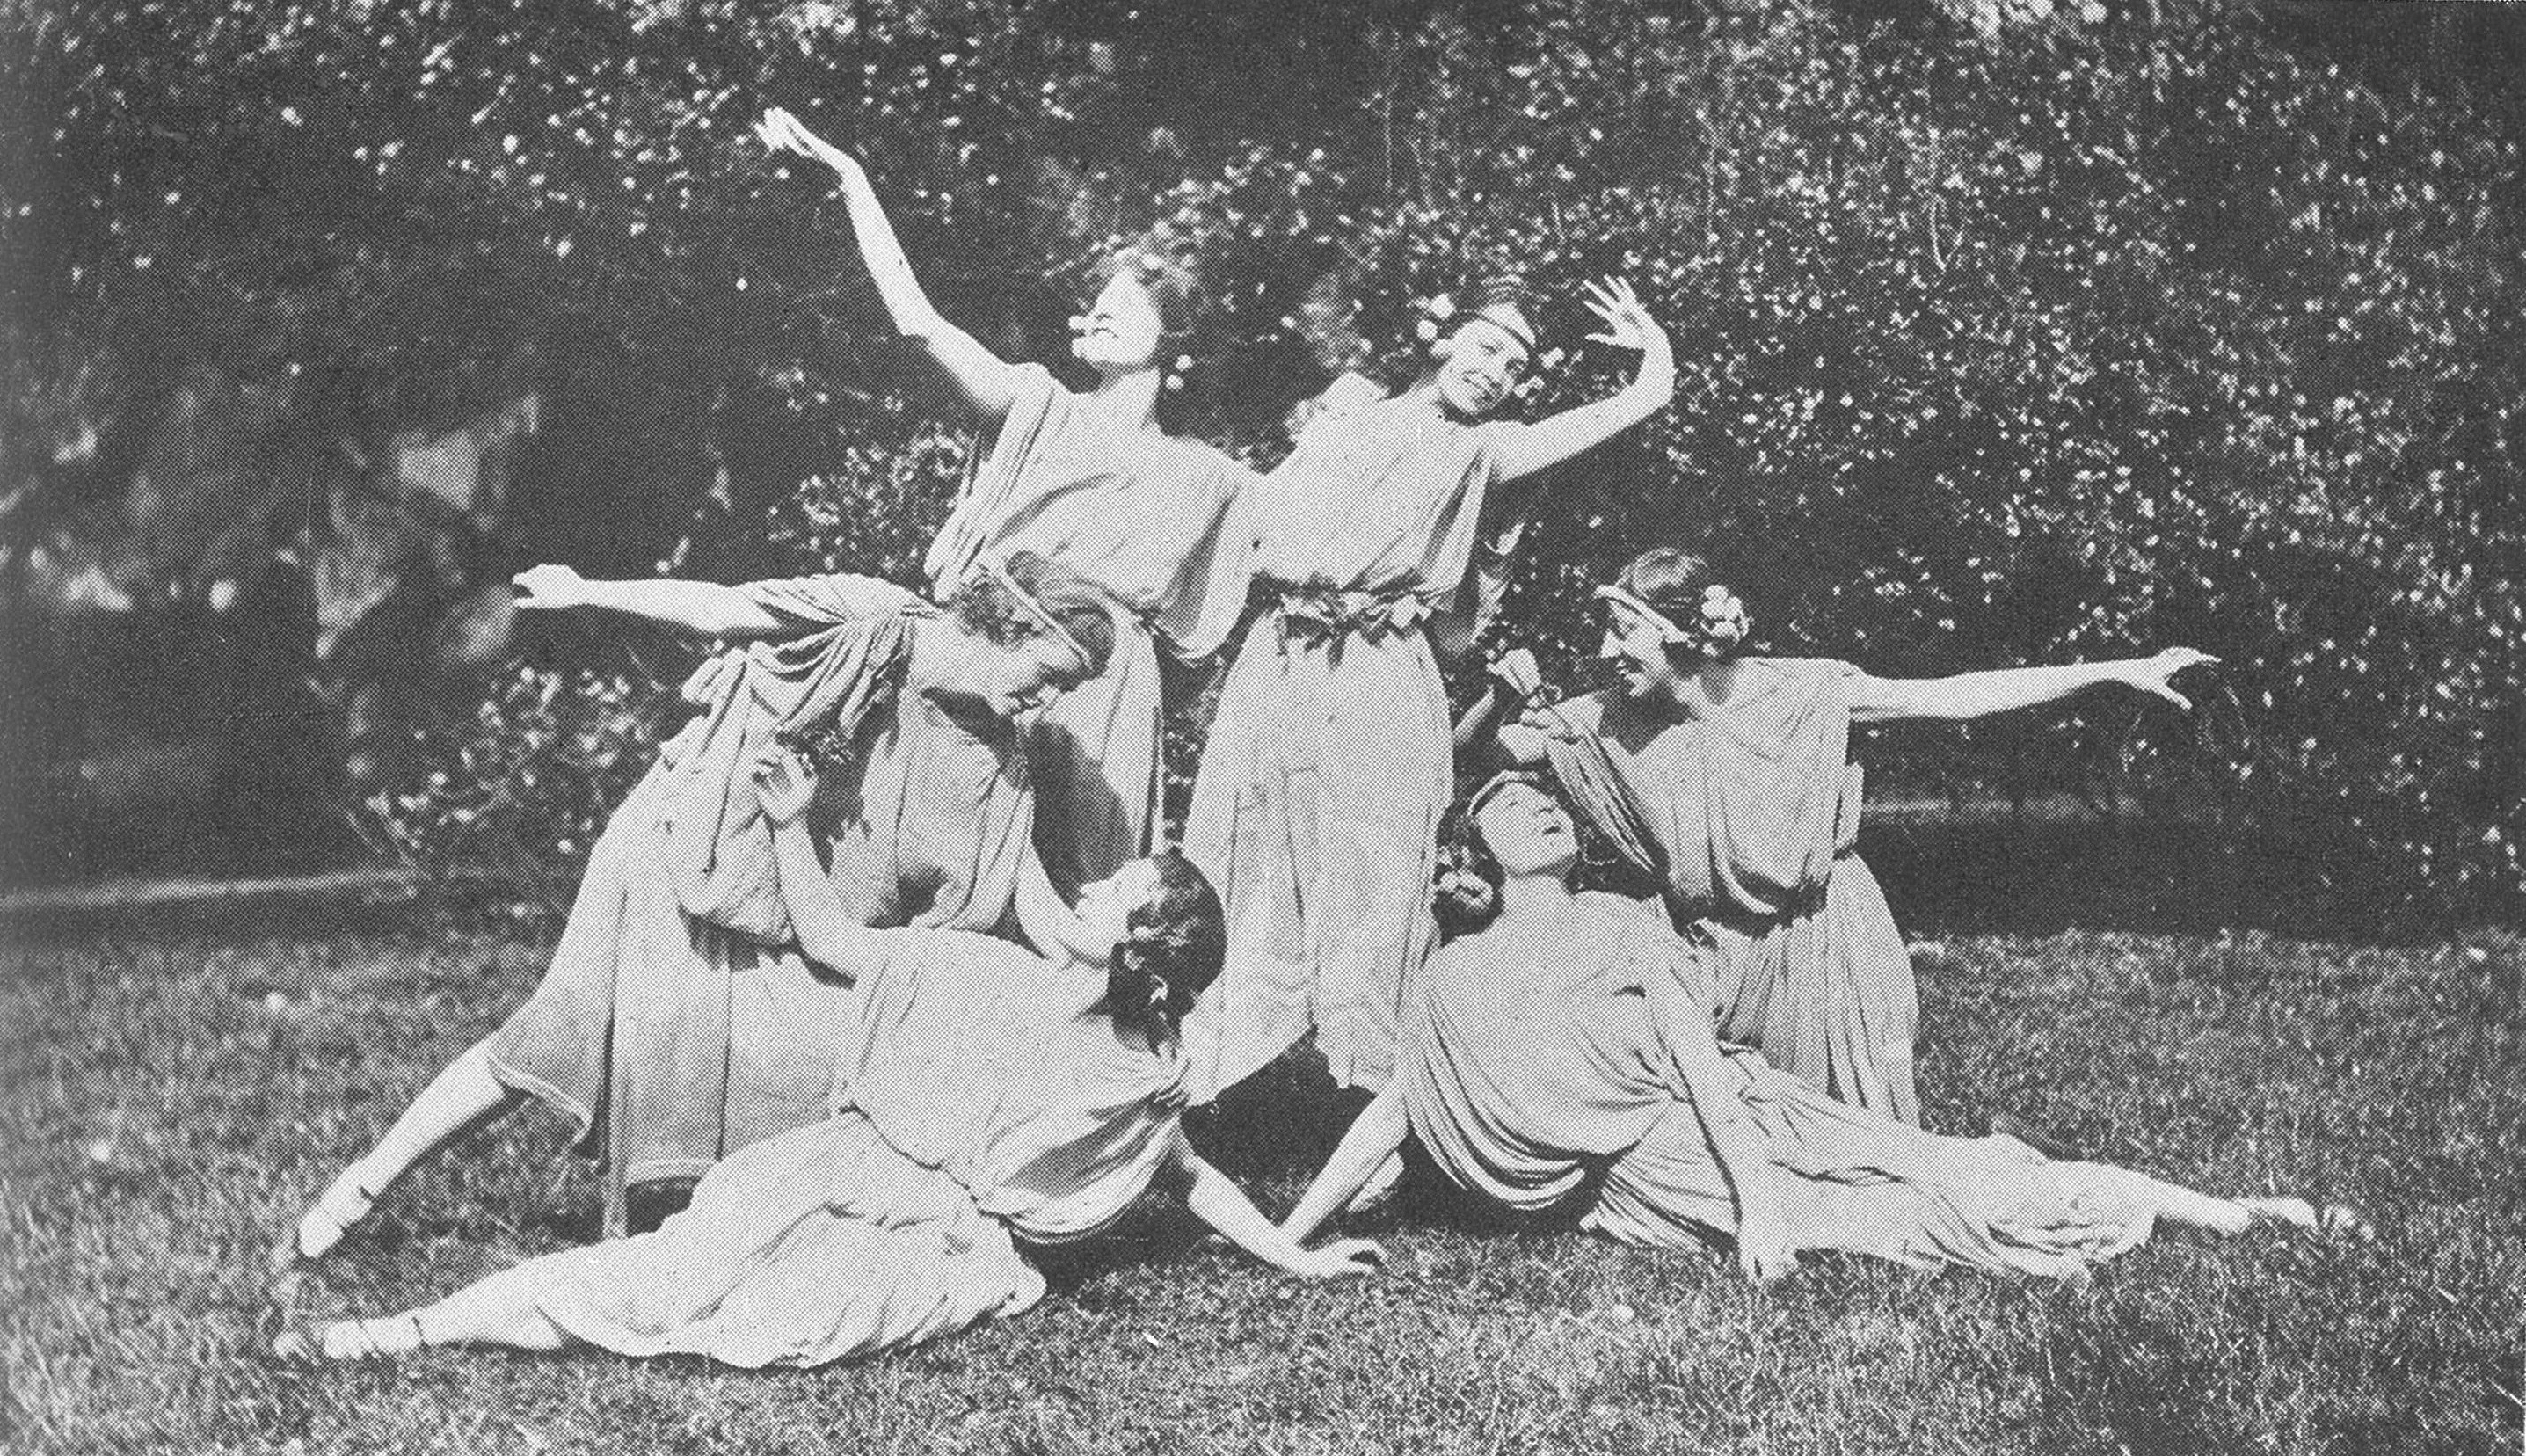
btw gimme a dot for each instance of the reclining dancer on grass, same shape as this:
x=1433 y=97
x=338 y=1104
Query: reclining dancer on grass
x=1092 y=482
x=1560 y=1050
x=1728 y=780
x=678 y=1021
x=996 y=1098
x=1316 y=810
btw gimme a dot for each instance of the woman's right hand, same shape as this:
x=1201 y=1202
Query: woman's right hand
x=784 y=785
x=549 y=588
x=1515 y=674
x=782 y=131
x=1341 y=1259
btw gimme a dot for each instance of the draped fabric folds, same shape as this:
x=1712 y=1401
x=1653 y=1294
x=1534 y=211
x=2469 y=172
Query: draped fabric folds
x=1537 y=1074
x=1326 y=766
x=986 y=1107
x=1163 y=525
x=671 y=1039
x=1746 y=810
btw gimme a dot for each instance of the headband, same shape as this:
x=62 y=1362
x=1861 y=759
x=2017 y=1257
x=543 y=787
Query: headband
x=1504 y=779
x=1040 y=615
x=1667 y=630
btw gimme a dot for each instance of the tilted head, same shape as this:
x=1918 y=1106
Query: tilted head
x=1665 y=616
x=1511 y=828
x=1479 y=355
x=1144 y=313
x=1167 y=936
x=1039 y=629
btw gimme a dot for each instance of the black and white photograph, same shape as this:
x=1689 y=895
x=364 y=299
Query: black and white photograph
x=1263 y=726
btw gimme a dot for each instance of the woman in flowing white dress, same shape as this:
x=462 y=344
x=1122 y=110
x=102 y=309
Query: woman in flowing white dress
x=1094 y=481
x=1728 y=780
x=1316 y=808
x=996 y=1100
x=678 y=1021
x=1560 y=1055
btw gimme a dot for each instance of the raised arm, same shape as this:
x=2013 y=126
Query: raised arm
x=1508 y=683
x=703 y=608
x=826 y=931
x=1628 y=325
x=988 y=382
x=1216 y=1200
x=1971 y=695
x=1374 y=1136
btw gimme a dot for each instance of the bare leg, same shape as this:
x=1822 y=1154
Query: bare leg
x=500 y=1310
x=465 y=1095
x=2232 y=1216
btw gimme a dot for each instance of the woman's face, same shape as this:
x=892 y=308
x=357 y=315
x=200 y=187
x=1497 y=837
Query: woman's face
x=1528 y=831
x=1482 y=365
x=1023 y=675
x=1637 y=646
x=1106 y=907
x=1122 y=330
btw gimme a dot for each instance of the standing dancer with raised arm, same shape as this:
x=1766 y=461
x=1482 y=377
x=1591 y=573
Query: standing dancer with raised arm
x=1316 y=811
x=1094 y=481
x=678 y=1023
x=1728 y=780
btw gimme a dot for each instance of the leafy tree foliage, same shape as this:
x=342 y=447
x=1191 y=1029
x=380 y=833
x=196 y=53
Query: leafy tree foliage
x=2042 y=333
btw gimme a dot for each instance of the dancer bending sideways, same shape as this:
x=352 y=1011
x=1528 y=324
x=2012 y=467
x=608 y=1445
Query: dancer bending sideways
x=1560 y=1052
x=1092 y=482
x=678 y=1021
x=1316 y=810
x=1728 y=780
x=996 y=1099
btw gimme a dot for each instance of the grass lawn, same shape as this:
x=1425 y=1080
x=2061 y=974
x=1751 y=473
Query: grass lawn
x=171 y=1094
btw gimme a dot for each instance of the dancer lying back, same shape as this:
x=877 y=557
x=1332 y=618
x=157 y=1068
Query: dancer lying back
x=1561 y=1050
x=996 y=1098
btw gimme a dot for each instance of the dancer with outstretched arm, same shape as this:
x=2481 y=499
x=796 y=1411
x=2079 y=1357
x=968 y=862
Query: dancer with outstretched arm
x=998 y=1100
x=678 y=1021
x=1094 y=482
x=1316 y=810
x=1728 y=778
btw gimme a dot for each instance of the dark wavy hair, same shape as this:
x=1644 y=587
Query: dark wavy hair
x=1465 y=886
x=983 y=605
x=1673 y=580
x=1178 y=943
x=1184 y=312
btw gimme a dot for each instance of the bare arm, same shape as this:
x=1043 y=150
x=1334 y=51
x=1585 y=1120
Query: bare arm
x=1374 y=1136
x=1049 y=925
x=987 y=382
x=1970 y=695
x=1216 y=1200
x=1510 y=681
x=702 y=608
x=826 y=931
x=1763 y=1249
x=1628 y=325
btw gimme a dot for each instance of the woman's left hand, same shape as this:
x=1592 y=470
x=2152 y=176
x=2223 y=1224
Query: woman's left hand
x=1628 y=325
x=2151 y=674
x=1341 y=1259
x=784 y=785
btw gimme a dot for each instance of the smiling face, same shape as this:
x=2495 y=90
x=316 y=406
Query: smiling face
x=1023 y=675
x=1528 y=831
x=1106 y=907
x=1637 y=646
x=1483 y=366
x=1123 y=330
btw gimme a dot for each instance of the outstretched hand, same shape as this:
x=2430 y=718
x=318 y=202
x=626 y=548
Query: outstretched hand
x=1517 y=674
x=2152 y=675
x=784 y=785
x=1341 y=1259
x=1628 y=325
x=782 y=131
x=549 y=588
